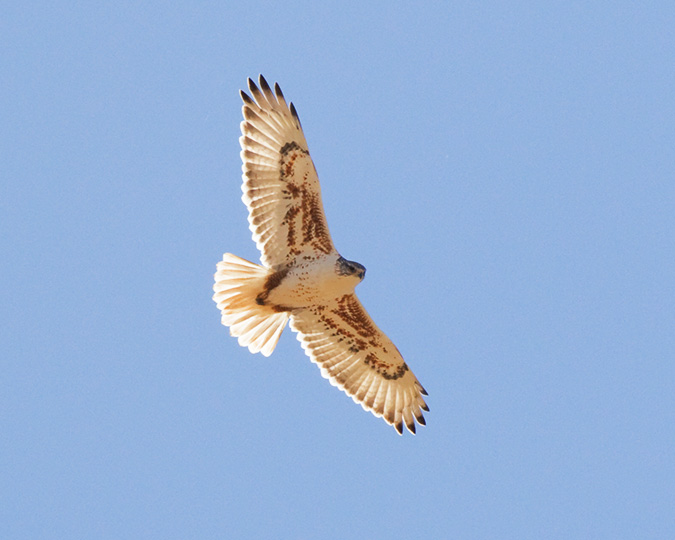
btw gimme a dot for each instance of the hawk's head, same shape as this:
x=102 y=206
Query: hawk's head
x=350 y=268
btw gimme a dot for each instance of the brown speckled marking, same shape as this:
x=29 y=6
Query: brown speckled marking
x=287 y=167
x=353 y=343
x=359 y=335
x=383 y=368
x=363 y=338
x=286 y=148
x=293 y=190
x=289 y=220
x=312 y=223
x=376 y=363
x=397 y=374
x=314 y=230
x=351 y=312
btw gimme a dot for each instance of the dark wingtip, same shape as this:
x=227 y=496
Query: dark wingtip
x=263 y=84
x=422 y=390
x=425 y=407
x=252 y=87
x=421 y=420
x=399 y=428
x=278 y=92
x=294 y=113
x=411 y=427
x=245 y=97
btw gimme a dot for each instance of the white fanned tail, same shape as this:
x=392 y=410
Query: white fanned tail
x=238 y=284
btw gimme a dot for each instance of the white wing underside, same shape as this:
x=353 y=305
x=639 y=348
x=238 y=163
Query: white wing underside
x=282 y=193
x=281 y=187
x=357 y=357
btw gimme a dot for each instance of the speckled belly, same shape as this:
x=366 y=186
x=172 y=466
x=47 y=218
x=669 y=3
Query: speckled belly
x=310 y=284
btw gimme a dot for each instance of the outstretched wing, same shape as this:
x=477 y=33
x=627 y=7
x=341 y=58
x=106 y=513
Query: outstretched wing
x=281 y=187
x=357 y=357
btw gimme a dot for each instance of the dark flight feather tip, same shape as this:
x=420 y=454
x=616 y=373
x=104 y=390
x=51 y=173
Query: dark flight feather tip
x=263 y=84
x=294 y=113
x=246 y=98
x=253 y=88
x=278 y=92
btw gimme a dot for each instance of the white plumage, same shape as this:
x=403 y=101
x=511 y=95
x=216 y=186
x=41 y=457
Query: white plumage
x=303 y=278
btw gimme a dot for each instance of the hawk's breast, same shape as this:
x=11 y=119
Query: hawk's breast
x=311 y=281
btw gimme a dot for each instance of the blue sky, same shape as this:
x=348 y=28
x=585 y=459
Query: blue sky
x=505 y=171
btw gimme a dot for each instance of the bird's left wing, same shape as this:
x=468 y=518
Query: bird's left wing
x=357 y=357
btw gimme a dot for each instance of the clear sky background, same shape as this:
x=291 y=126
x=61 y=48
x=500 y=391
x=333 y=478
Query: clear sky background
x=504 y=170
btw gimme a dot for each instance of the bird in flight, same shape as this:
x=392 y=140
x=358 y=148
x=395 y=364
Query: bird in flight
x=303 y=278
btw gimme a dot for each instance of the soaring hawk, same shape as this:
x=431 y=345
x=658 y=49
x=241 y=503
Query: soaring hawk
x=303 y=278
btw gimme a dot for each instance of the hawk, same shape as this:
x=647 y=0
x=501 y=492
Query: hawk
x=303 y=279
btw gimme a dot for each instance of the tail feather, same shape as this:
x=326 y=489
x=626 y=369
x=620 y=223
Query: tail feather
x=238 y=284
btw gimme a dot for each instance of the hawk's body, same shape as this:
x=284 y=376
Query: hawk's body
x=310 y=282
x=303 y=277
